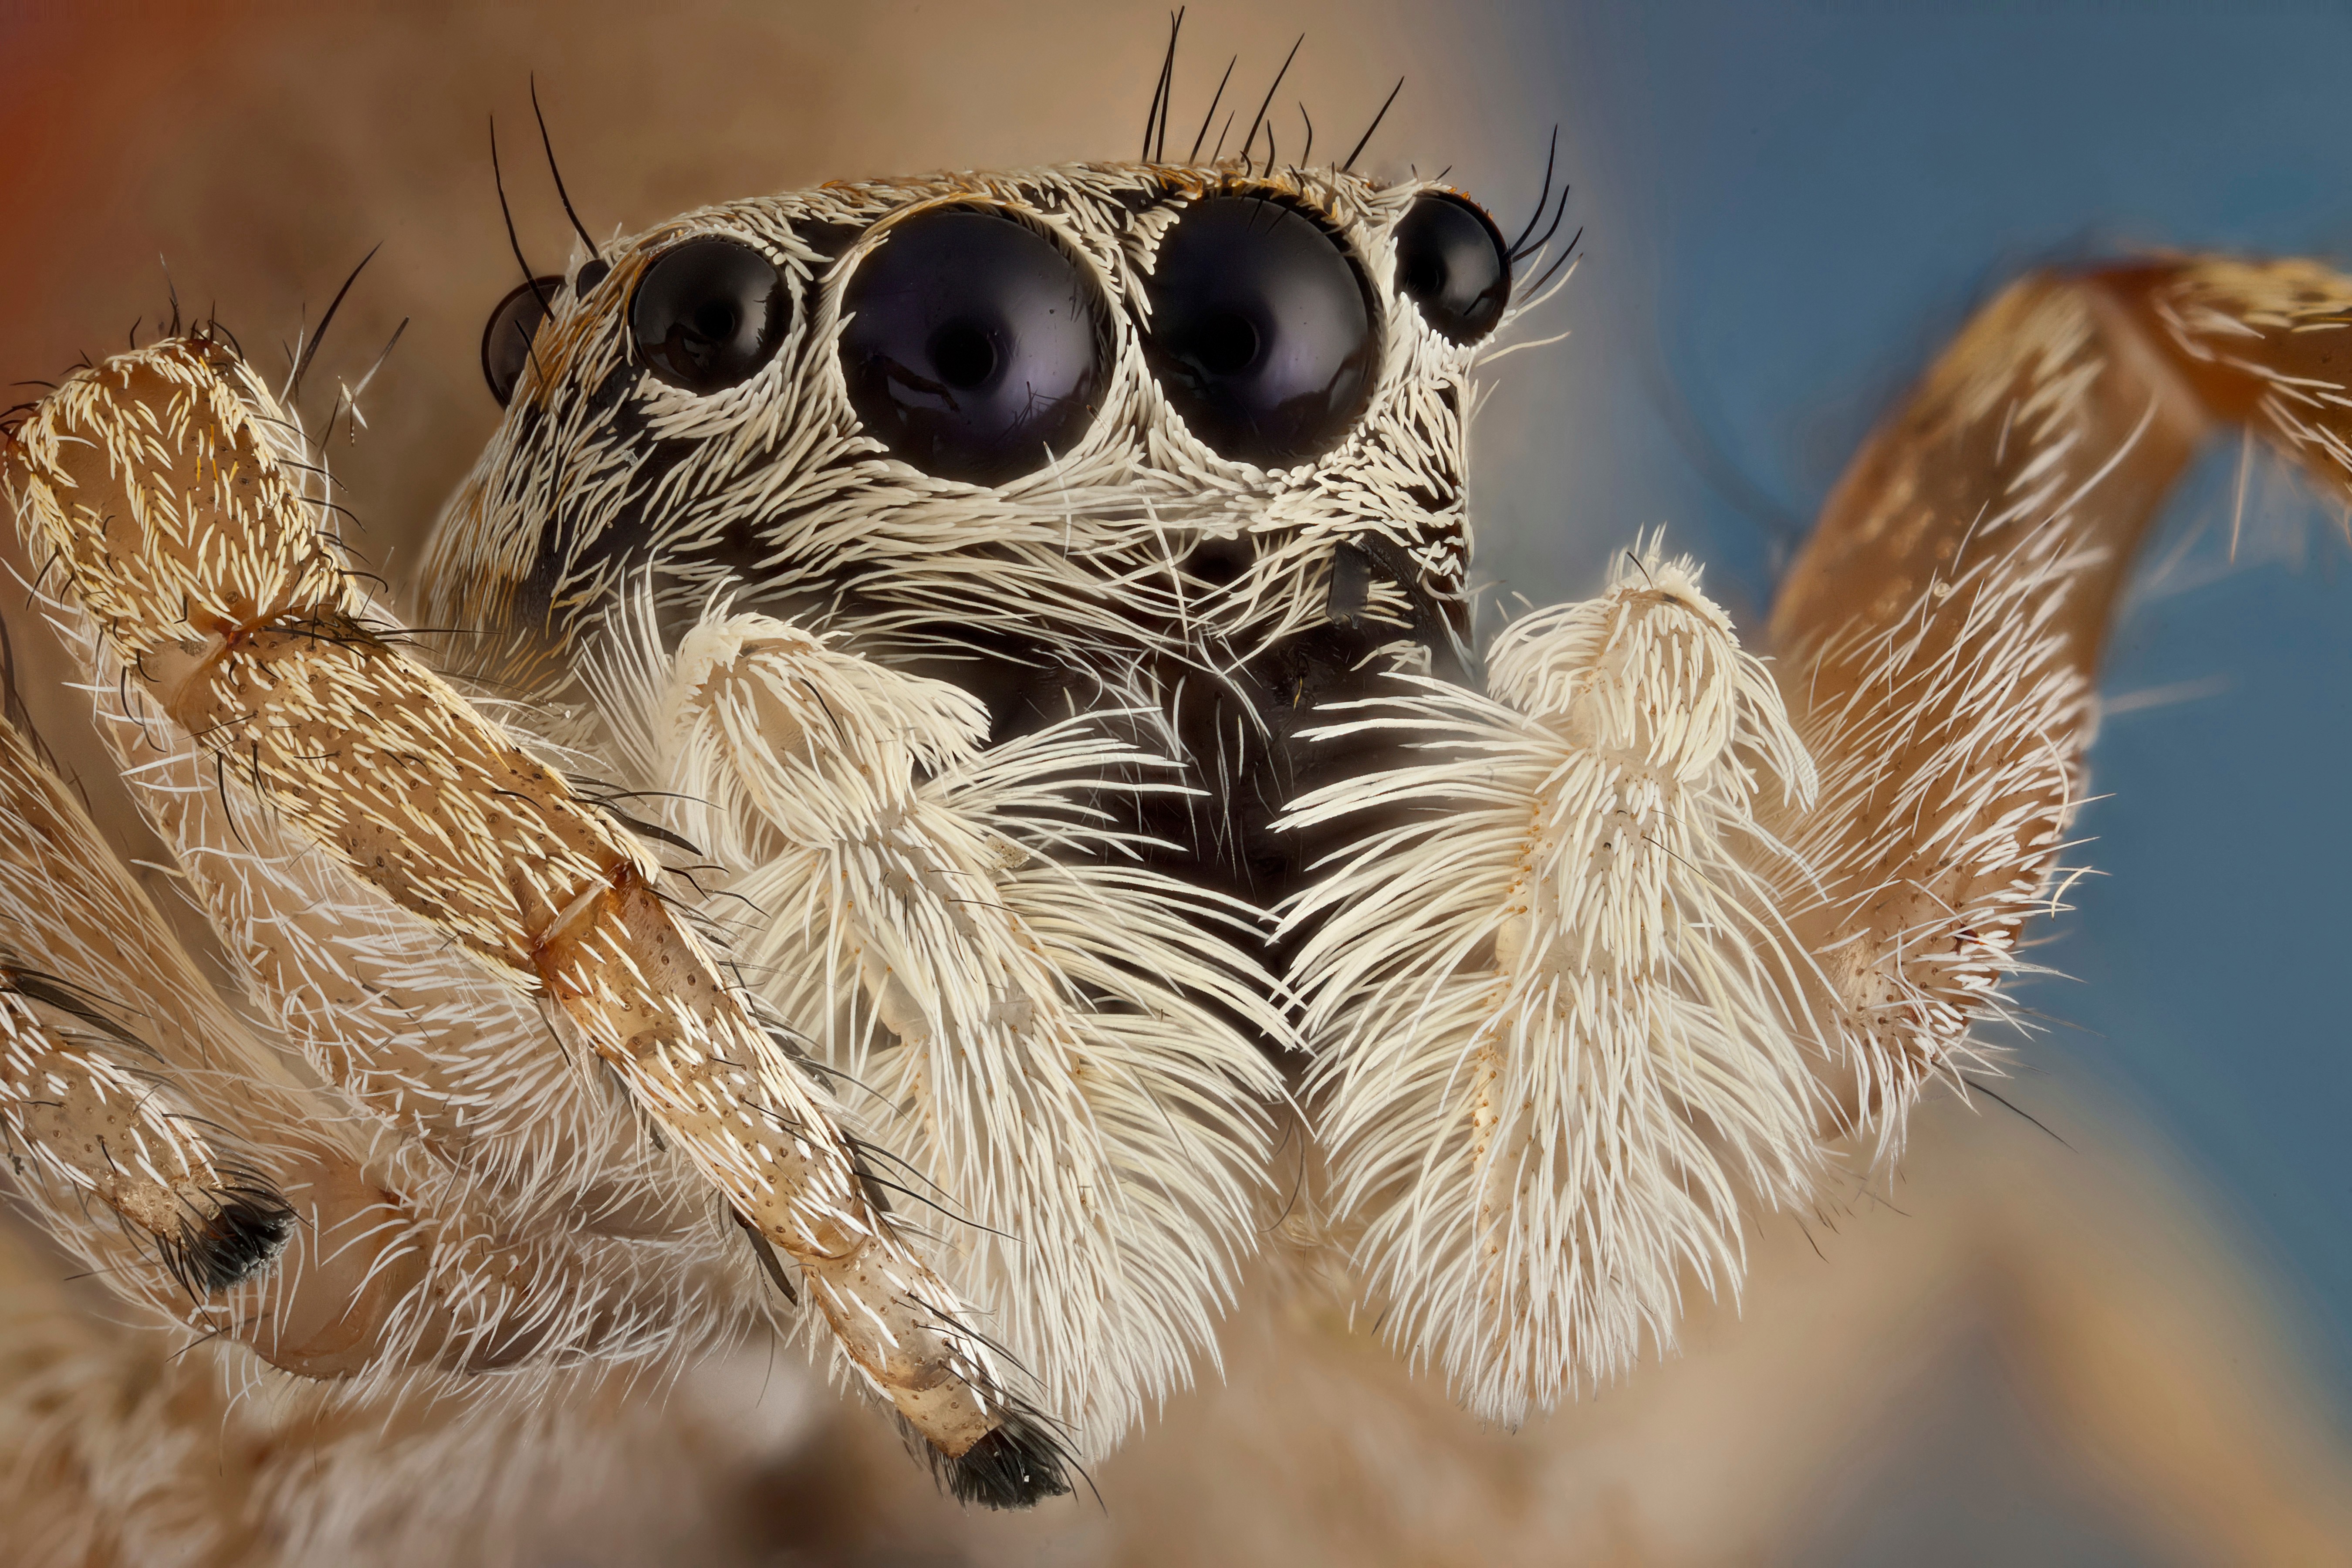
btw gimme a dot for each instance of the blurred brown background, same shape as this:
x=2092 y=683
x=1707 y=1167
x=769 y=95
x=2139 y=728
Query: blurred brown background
x=2023 y=1352
x=258 y=152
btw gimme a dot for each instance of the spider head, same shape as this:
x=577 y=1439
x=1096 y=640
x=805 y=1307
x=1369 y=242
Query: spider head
x=1182 y=439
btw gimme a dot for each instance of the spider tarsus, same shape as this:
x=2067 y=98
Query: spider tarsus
x=238 y=1241
x=1018 y=1465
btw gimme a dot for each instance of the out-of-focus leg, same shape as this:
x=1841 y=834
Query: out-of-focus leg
x=1937 y=638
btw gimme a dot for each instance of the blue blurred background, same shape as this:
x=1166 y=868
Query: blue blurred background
x=1788 y=209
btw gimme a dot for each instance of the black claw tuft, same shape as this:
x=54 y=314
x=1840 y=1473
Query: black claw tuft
x=241 y=1240
x=1018 y=1465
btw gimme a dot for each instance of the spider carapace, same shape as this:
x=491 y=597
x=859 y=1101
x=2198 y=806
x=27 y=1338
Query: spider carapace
x=1186 y=443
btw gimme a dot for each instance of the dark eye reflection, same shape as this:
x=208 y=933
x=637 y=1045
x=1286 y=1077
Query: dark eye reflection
x=972 y=346
x=708 y=313
x=1452 y=265
x=1261 y=330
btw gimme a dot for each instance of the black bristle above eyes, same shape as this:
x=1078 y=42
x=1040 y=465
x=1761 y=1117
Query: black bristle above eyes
x=1018 y=1465
x=1528 y=241
x=1366 y=138
x=310 y=351
x=1155 y=119
x=1207 y=120
x=238 y=1241
x=563 y=195
x=1250 y=140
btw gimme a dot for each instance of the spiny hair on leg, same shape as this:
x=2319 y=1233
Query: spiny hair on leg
x=1948 y=787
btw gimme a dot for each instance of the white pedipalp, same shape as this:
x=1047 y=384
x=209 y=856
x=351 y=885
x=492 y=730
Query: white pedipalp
x=950 y=930
x=1563 y=1031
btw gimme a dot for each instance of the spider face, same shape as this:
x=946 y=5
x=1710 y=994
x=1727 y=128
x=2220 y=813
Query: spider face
x=1178 y=441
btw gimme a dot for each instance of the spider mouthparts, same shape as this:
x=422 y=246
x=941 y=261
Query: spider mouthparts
x=1018 y=1465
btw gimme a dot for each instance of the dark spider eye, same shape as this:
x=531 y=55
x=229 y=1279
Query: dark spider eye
x=505 y=340
x=1261 y=330
x=974 y=347
x=708 y=313
x=1450 y=262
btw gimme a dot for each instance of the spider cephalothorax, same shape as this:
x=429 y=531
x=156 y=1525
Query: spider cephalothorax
x=956 y=564
x=1184 y=437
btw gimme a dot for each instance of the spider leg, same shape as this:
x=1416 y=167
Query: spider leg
x=121 y=1079
x=124 y=1442
x=1939 y=636
x=155 y=486
x=99 y=1128
x=125 y=1080
x=383 y=1004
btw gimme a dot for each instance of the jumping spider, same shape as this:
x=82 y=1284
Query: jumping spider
x=952 y=791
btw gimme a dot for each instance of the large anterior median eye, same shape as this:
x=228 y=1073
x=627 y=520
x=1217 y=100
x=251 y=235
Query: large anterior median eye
x=708 y=313
x=1450 y=262
x=505 y=340
x=1261 y=330
x=974 y=348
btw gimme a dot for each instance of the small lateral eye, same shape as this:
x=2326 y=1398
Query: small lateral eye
x=1450 y=262
x=1261 y=330
x=974 y=348
x=708 y=313
x=506 y=338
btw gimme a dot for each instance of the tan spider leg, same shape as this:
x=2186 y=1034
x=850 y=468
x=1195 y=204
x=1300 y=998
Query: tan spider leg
x=383 y=1006
x=393 y=1259
x=99 y=1130
x=445 y=1253
x=153 y=486
x=92 y=980
x=1937 y=637
x=534 y=1192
